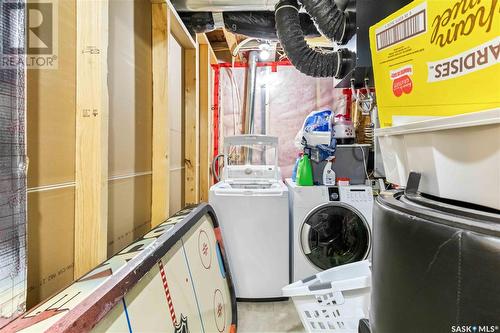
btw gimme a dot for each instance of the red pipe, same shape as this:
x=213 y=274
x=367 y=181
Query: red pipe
x=216 y=102
x=348 y=94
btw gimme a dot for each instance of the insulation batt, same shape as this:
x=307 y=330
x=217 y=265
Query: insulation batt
x=292 y=96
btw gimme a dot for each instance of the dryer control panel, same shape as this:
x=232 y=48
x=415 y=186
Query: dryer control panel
x=356 y=194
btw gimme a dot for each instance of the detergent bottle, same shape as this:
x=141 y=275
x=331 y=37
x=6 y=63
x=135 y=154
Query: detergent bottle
x=304 y=172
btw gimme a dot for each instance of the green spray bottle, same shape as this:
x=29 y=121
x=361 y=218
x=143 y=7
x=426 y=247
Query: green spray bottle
x=304 y=172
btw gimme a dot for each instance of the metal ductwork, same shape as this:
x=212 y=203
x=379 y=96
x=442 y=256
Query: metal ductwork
x=250 y=92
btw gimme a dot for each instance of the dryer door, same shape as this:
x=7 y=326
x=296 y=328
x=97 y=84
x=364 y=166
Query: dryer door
x=335 y=234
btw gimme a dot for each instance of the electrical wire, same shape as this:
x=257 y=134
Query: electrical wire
x=240 y=45
x=365 y=102
x=364 y=162
x=236 y=101
x=214 y=171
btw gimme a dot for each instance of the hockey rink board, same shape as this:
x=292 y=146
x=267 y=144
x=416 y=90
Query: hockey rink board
x=173 y=279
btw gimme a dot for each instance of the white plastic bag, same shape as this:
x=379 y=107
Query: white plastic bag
x=316 y=129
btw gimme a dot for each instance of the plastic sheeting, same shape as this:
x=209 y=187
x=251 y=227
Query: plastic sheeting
x=287 y=96
x=12 y=165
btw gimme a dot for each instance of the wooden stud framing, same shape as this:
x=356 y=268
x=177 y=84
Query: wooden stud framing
x=92 y=104
x=179 y=30
x=232 y=42
x=160 y=140
x=191 y=107
x=191 y=126
x=203 y=40
x=205 y=120
x=166 y=22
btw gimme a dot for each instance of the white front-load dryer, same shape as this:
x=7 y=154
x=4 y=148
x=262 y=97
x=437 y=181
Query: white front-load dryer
x=331 y=226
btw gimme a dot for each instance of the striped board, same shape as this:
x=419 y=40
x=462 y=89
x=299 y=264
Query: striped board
x=173 y=279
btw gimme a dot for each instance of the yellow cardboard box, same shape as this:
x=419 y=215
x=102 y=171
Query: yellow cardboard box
x=437 y=58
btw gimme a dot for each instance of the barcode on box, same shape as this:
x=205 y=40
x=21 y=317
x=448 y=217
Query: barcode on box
x=406 y=29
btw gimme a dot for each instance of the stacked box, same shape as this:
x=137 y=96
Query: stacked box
x=437 y=58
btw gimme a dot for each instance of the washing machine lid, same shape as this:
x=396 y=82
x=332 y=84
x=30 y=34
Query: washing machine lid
x=450 y=212
x=335 y=234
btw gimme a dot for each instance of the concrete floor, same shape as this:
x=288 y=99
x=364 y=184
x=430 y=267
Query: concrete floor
x=268 y=317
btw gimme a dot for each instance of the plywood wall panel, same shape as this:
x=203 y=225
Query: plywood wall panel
x=51 y=103
x=175 y=84
x=129 y=211
x=130 y=87
x=176 y=150
x=130 y=126
x=51 y=217
x=176 y=190
x=175 y=107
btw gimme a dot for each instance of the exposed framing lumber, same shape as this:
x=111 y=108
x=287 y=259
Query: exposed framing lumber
x=176 y=28
x=231 y=41
x=179 y=30
x=92 y=108
x=162 y=30
x=203 y=40
x=205 y=120
x=160 y=140
x=191 y=106
x=191 y=126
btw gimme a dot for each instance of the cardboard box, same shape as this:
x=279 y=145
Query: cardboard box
x=437 y=58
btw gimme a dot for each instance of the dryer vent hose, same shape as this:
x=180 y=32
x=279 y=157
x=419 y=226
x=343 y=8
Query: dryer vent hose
x=309 y=61
x=332 y=22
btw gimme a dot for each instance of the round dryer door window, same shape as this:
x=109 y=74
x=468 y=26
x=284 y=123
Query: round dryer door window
x=335 y=234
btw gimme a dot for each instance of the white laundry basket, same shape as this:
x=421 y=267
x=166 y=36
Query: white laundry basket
x=334 y=300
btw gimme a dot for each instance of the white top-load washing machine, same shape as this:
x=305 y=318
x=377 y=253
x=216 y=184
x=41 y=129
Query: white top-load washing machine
x=331 y=226
x=251 y=203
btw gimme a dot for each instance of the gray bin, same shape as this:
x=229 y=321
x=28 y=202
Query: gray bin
x=348 y=164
